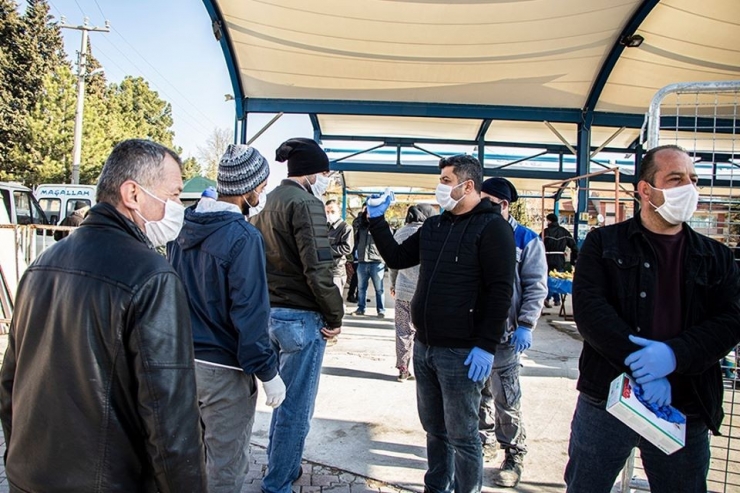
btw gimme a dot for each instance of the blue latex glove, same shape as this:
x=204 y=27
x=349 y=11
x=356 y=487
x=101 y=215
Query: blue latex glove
x=480 y=362
x=657 y=392
x=521 y=339
x=666 y=412
x=378 y=210
x=653 y=361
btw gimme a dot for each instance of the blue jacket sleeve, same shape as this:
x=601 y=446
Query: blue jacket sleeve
x=250 y=307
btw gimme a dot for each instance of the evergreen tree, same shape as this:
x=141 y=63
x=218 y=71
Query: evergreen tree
x=30 y=48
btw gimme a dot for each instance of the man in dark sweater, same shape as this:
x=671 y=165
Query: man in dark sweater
x=556 y=239
x=341 y=241
x=466 y=259
x=655 y=299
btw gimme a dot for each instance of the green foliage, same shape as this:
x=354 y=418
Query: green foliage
x=522 y=214
x=30 y=46
x=38 y=94
x=190 y=168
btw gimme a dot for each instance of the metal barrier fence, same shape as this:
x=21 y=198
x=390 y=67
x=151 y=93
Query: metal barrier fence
x=19 y=246
x=703 y=119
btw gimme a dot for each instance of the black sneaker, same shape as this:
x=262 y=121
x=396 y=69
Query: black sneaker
x=510 y=473
x=357 y=313
x=381 y=314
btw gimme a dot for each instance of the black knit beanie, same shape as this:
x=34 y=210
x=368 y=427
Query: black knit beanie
x=500 y=188
x=304 y=156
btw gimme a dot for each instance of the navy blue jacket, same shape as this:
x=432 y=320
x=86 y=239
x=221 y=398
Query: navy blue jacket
x=220 y=258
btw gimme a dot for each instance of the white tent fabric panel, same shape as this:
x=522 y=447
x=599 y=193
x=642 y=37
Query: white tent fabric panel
x=685 y=41
x=448 y=128
x=529 y=53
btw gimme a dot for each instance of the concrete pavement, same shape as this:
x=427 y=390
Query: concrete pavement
x=366 y=422
x=366 y=434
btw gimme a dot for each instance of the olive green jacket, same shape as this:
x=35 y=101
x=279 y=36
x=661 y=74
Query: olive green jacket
x=299 y=257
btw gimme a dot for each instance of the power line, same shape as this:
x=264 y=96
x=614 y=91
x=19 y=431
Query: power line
x=101 y=10
x=193 y=105
x=165 y=78
x=78 y=6
x=174 y=103
x=111 y=61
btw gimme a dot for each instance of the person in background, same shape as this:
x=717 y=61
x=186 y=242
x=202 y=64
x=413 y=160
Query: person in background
x=657 y=300
x=306 y=306
x=403 y=287
x=220 y=258
x=341 y=240
x=352 y=274
x=466 y=259
x=101 y=396
x=556 y=239
x=73 y=220
x=370 y=266
x=500 y=412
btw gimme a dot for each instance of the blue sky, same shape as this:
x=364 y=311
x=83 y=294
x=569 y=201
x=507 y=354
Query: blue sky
x=170 y=43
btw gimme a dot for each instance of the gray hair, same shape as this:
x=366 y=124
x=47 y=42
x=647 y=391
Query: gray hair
x=134 y=159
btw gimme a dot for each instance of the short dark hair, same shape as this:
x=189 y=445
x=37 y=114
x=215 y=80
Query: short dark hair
x=465 y=168
x=134 y=159
x=647 y=165
x=552 y=218
x=331 y=202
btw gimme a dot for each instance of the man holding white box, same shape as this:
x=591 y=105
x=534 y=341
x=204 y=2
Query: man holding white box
x=656 y=300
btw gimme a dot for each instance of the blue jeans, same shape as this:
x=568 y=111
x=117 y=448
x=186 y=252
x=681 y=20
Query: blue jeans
x=600 y=445
x=448 y=404
x=297 y=340
x=500 y=409
x=365 y=272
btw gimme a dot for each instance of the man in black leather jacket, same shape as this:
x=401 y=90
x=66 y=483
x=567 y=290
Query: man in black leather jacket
x=654 y=299
x=99 y=395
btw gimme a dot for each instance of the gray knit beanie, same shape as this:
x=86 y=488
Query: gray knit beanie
x=241 y=170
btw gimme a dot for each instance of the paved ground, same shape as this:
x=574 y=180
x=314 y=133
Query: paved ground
x=366 y=434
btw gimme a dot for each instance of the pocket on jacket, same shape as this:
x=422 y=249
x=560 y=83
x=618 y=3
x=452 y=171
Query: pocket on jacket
x=626 y=272
x=289 y=334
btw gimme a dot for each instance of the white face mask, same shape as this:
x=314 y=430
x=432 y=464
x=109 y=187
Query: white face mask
x=256 y=209
x=166 y=229
x=321 y=184
x=443 y=194
x=679 y=203
x=332 y=218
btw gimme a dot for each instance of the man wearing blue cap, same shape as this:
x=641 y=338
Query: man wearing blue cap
x=500 y=411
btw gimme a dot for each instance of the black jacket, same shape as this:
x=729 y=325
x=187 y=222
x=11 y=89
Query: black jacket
x=98 y=383
x=613 y=295
x=342 y=242
x=364 y=242
x=466 y=275
x=73 y=220
x=299 y=258
x=556 y=239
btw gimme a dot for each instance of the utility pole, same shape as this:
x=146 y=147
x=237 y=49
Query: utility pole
x=81 y=74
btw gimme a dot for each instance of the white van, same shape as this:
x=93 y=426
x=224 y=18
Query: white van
x=20 y=205
x=58 y=200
